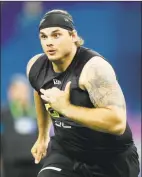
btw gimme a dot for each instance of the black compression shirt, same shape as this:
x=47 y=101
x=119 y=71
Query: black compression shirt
x=75 y=138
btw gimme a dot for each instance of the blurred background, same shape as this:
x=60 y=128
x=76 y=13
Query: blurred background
x=111 y=28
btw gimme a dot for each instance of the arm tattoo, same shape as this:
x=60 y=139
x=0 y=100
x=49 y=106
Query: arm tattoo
x=102 y=86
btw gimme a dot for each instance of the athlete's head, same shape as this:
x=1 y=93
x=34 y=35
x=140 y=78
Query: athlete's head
x=57 y=34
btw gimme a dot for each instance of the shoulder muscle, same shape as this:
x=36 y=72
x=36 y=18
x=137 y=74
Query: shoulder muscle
x=100 y=81
x=96 y=66
x=31 y=62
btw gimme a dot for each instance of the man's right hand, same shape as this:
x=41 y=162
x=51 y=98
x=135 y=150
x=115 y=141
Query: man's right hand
x=39 y=149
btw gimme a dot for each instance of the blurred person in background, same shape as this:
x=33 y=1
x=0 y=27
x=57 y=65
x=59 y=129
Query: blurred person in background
x=19 y=130
x=92 y=135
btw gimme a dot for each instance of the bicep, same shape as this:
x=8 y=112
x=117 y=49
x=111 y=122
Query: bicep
x=103 y=87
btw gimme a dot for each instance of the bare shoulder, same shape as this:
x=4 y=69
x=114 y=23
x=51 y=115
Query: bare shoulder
x=31 y=62
x=96 y=68
x=99 y=80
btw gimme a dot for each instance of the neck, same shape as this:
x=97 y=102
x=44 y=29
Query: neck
x=62 y=65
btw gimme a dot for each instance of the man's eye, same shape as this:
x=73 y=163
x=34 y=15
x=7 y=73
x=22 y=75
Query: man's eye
x=43 y=36
x=57 y=35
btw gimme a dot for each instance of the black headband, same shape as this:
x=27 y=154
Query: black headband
x=56 y=19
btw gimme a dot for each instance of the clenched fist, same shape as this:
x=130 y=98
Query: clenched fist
x=58 y=99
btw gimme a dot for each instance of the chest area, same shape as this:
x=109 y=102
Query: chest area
x=77 y=95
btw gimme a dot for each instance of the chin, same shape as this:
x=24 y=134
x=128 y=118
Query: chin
x=53 y=58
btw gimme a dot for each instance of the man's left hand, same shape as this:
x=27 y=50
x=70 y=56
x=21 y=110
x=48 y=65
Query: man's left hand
x=58 y=99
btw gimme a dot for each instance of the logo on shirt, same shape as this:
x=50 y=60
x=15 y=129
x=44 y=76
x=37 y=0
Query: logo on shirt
x=56 y=82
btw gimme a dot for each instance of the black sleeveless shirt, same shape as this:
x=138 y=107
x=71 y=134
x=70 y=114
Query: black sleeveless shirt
x=75 y=138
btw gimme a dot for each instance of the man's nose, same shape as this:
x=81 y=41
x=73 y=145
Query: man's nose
x=49 y=42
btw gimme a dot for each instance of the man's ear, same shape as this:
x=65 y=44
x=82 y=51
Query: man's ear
x=74 y=36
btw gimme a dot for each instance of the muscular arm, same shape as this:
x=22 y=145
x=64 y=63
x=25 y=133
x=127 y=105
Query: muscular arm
x=109 y=114
x=43 y=118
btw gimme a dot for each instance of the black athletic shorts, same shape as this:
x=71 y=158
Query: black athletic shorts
x=59 y=164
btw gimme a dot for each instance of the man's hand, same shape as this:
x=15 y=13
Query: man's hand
x=39 y=149
x=57 y=99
